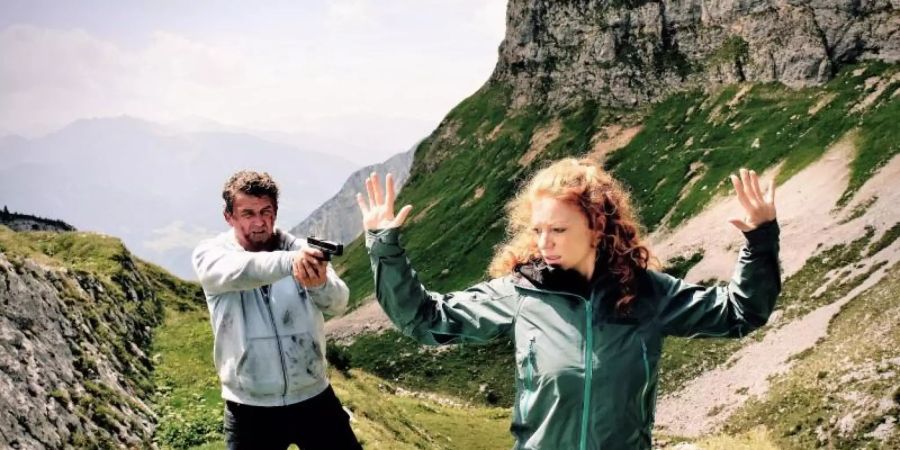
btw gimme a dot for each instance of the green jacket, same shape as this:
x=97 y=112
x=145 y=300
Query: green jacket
x=586 y=377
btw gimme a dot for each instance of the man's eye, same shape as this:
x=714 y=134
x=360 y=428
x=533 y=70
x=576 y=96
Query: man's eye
x=559 y=230
x=536 y=231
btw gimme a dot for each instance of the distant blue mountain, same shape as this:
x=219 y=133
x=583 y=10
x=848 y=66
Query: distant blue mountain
x=157 y=188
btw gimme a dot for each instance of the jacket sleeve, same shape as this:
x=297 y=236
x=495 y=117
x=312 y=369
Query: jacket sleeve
x=734 y=310
x=479 y=313
x=331 y=297
x=221 y=270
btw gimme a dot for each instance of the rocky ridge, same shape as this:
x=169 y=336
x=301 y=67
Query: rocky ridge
x=624 y=53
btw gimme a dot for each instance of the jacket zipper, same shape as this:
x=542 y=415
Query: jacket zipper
x=588 y=372
x=265 y=294
x=588 y=359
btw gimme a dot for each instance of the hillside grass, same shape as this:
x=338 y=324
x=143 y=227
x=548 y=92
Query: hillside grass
x=755 y=126
x=477 y=373
x=843 y=393
x=111 y=308
x=190 y=408
x=678 y=162
x=451 y=237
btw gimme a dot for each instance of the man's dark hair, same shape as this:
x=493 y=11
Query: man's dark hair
x=251 y=183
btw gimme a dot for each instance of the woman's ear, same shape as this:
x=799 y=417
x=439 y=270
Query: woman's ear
x=596 y=235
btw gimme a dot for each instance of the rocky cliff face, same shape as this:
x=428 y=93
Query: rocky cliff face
x=627 y=52
x=74 y=329
x=27 y=222
x=338 y=218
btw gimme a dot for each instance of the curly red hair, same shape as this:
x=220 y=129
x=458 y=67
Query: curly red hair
x=584 y=183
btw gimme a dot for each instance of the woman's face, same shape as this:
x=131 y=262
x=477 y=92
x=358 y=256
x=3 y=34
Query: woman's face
x=563 y=236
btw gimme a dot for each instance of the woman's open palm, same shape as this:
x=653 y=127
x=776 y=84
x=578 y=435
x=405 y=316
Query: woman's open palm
x=759 y=206
x=378 y=213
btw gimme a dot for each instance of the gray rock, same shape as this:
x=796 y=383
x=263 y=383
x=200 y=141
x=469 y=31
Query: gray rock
x=627 y=52
x=63 y=381
x=338 y=218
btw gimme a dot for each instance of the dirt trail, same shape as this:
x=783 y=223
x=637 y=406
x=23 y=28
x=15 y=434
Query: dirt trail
x=368 y=318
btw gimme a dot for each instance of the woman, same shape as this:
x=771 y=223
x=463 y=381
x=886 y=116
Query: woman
x=573 y=288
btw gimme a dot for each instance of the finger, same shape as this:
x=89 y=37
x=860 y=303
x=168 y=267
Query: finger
x=376 y=185
x=302 y=275
x=313 y=255
x=739 y=190
x=370 y=190
x=748 y=187
x=313 y=269
x=770 y=192
x=390 y=195
x=754 y=185
x=309 y=270
x=401 y=216
x=296 y=267
x=362 y=204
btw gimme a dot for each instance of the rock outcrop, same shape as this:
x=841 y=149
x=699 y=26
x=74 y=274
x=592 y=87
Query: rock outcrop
x=338 y=218
x=628 y=52
x=73 y=341
x=27 y=222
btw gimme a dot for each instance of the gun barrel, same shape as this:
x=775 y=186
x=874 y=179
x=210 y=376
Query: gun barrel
x=328 y=247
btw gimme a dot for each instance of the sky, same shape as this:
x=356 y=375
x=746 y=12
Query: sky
x=375 y=75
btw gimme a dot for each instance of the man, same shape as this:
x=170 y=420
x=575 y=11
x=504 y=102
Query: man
x=266 y=291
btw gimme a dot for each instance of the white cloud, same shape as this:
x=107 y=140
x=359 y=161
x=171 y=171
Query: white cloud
x=378 y=75
x=349 y=13
x=51 y=77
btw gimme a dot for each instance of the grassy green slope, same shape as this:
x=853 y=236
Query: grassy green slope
x=103 y=292
x=190 y=408
x=478 y=146
x=451 y=236
x=843 y=393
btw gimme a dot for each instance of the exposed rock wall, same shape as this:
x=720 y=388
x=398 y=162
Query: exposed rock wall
x=628 y=52
x=73 y=368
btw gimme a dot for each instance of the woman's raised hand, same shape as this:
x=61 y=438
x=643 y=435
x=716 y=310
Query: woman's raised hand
x=379 y=212
x=759 y=206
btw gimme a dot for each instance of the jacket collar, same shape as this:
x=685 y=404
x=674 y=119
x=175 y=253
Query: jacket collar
x=537 y=274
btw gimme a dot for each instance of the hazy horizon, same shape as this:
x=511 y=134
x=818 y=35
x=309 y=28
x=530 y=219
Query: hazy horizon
x=365 y=79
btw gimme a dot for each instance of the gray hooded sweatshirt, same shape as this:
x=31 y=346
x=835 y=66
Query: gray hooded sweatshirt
x=269 y=334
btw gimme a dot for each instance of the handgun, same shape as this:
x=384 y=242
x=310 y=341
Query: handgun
x=327 y=248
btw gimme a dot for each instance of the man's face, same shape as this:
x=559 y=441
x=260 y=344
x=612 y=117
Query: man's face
x=253 y=220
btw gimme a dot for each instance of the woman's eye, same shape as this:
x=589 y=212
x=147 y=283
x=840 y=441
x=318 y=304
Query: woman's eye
x=536 y=231
x=559 y=230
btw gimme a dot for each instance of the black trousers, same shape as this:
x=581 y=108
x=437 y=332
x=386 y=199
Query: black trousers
x=318 y=423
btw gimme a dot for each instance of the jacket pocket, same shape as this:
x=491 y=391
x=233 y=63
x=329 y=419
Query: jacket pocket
x=259 y=371
x=304 y=361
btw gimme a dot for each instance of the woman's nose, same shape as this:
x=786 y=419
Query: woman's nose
x=544 y=241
